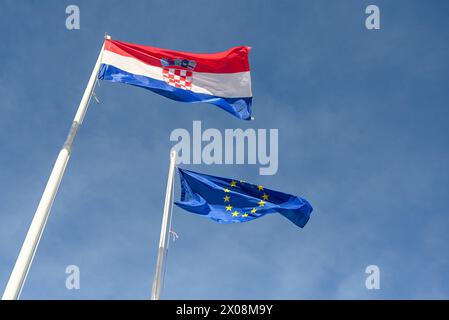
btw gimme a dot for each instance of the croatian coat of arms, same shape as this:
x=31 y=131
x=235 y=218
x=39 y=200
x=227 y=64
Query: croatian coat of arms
x=178 y=72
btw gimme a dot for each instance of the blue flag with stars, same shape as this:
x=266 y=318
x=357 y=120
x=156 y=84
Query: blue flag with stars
x=228 y=201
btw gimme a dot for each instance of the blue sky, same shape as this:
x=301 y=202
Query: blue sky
x=363 y=135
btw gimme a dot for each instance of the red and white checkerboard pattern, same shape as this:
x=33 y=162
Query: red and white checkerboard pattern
x=178 y=78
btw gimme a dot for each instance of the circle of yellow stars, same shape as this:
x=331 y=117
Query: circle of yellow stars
x=227 y=200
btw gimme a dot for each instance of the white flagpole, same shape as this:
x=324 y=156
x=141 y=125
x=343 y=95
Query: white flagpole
x=29 y=246
x=165 y=233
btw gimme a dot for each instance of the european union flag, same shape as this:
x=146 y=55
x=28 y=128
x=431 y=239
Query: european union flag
x=227 y=200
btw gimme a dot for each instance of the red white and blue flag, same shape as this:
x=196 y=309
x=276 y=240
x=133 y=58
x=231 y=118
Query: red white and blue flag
x=222 y=78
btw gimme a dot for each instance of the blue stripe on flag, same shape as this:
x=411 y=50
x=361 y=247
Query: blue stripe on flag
x=239 y=107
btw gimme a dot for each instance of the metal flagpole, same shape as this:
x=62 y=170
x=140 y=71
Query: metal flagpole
x=29 y=246
x=163 y=241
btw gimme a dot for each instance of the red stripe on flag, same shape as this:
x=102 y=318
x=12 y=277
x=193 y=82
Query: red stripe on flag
x=229 y=61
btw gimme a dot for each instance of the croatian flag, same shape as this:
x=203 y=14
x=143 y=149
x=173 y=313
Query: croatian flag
x=222 y=78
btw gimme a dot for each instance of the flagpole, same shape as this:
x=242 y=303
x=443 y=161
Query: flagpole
x=31 y=242
x=163 y=241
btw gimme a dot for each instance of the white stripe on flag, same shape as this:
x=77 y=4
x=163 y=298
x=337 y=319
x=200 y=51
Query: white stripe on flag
x=226 y=85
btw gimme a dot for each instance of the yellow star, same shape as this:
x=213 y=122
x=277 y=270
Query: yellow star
x=261 y=203
x=226 y=190
x=260 y=188
x=233 y=183
x=235 y=214
x=228 y=207
x=253 y=210
x=226 y=198
x=265 y=196
x=244 y=215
